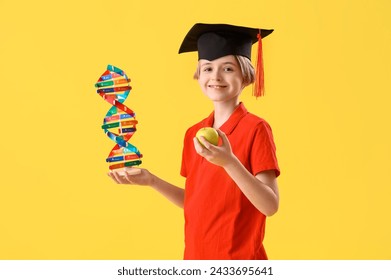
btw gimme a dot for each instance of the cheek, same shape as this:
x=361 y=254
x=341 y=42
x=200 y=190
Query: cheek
x=201 y=81
x=201 y=84
x=238 y=83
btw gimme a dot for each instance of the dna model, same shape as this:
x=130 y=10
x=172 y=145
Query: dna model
x=119 y=123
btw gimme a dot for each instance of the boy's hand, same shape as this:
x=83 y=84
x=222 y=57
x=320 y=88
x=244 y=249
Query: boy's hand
x=218 y=155
x=132 y=176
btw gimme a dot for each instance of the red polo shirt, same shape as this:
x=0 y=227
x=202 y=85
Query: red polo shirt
x=220 y=222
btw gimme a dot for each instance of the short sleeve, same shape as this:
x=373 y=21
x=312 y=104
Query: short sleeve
x=263 y=150
x=183 y=171
x=183 y=165
x=186 y=154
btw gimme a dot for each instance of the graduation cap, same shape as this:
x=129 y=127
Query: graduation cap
x=213 y=41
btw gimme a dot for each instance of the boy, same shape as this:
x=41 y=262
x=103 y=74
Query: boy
x=230 y=187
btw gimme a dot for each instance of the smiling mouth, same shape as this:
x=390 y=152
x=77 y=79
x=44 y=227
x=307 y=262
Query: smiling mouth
x=216 y=86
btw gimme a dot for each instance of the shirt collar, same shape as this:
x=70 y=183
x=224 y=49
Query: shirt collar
x=239 y=112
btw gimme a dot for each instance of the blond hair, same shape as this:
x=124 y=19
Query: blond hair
x=246 y=68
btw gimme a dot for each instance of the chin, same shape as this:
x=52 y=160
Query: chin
x=221 y=98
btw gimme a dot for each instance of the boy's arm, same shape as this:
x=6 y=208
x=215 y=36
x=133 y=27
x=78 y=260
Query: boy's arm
x=143 y=177
x=261 y=190
x=173 y=193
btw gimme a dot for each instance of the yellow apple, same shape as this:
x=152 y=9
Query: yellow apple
x=210 y=134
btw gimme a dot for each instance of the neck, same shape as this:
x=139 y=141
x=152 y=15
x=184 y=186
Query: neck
x=222 y=112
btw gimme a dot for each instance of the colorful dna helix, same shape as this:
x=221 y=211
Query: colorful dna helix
x=119 y=123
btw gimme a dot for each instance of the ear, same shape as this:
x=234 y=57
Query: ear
x=196 y=75
x=245 y=84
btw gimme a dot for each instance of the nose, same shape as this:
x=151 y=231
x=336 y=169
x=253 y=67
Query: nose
x=215 y=76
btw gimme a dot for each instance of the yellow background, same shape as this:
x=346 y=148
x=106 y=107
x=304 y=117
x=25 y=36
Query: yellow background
x=328 y=68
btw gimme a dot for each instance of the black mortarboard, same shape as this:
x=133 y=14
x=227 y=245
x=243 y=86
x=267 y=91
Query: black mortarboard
x=213 y=41
x=217 y=40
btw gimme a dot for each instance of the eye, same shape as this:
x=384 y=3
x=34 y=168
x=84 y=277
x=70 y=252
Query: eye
x=206 y=69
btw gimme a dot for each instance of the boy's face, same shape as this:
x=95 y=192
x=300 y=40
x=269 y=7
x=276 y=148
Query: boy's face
x=221 y=79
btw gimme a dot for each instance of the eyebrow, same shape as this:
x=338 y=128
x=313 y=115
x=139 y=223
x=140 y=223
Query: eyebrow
x=224 y=63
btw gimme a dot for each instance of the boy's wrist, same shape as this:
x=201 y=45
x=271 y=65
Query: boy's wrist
x=153 y=181
x=231 y=163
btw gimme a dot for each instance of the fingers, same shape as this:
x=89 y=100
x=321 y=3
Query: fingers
x=226 y=145
x=203 y=147
x=218 y=155
x=132 y=171
x=111 y=175
x=128 y=174
x=132 y=176
x=123 y=176
x=200 y=143
x=117 y=177
x=209 y=146
x=223 y=137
